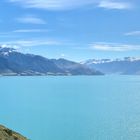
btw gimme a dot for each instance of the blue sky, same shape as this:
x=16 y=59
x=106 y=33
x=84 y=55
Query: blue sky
x=72 y=29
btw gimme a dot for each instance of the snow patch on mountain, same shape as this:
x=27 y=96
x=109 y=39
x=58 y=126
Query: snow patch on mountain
x=101 y=61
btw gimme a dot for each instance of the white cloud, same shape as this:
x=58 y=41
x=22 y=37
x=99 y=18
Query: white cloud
x=41 y=42
x=9 y=46
x=8 y=34
x=114 y=5
x=53 y=4
x=114 y=47
x=31 y=20
x=133 y=33
x=31 y=42
x=30 y=31
x=70 y=4
x=18 y=32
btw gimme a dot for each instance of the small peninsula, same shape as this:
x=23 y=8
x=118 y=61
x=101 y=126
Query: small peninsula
x=8 y=134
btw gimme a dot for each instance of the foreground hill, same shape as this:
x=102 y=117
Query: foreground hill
x=7 y=134
x=128 y=65
x=13 y=62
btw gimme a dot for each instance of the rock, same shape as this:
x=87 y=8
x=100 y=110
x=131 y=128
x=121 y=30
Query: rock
x=7 y=134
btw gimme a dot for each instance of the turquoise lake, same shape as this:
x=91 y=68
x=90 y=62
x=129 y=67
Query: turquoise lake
x=72 y=107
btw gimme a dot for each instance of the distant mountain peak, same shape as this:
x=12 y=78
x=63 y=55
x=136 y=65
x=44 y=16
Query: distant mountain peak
x=5 y=50
x=127 y=65
x=101 y=61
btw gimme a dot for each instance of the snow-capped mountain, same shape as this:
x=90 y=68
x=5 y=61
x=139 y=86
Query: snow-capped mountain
x=127 y=65
x=96 y=61
x=101 y=61
x=13 y=62
x=6 y=51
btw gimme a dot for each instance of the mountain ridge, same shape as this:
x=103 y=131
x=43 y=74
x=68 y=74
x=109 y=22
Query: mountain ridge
x=17 y=63
x=125 y=66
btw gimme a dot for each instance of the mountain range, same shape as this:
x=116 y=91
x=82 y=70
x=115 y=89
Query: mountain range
x=125 y=66
x=13 y=62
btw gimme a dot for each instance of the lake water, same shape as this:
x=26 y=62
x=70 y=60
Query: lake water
x=72 y=108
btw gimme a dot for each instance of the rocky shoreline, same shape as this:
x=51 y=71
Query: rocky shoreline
x=8 y=134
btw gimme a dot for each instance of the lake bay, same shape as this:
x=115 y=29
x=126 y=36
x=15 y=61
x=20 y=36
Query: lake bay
x=72 y=107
